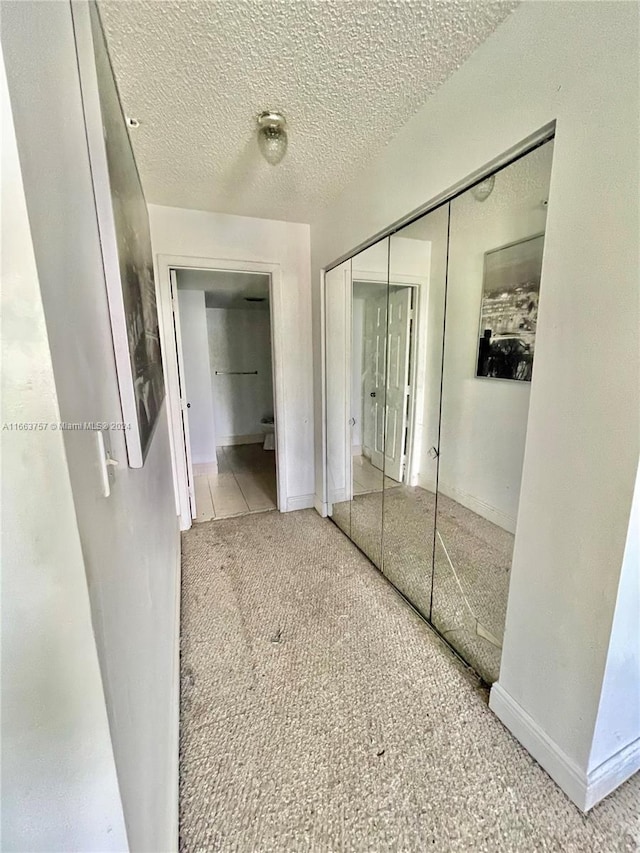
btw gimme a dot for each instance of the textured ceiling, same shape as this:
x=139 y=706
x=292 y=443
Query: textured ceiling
x=347 y=74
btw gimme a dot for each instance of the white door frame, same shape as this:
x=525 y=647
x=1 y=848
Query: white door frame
x=343 y=300
x=182 y=391
x=166 y=317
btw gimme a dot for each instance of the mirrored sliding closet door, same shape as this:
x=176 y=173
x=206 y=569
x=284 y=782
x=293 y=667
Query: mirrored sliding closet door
x=493 y=284
x=369 y=295
x=430 y=344
x=417 y=285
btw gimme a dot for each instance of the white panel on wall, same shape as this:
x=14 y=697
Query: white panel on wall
x=197 y=378
x=240 y=341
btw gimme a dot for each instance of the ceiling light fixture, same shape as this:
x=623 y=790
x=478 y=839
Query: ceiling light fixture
x=272 y=136
x=483 y=190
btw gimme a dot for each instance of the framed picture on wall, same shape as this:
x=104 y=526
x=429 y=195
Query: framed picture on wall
x=509 y=310
x=125 y=239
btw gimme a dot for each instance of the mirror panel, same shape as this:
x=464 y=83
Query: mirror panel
x=430 y=343
x=495 y=260
x=417 y=285
x=369 y=275
x=337 y=297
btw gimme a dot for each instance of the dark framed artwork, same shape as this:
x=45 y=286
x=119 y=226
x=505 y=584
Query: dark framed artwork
x=509 y=310
x=125 y=239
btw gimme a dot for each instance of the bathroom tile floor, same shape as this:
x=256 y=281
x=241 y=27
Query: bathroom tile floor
x=245 y=482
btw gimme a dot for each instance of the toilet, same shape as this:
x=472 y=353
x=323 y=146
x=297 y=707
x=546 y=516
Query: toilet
x=269 y=430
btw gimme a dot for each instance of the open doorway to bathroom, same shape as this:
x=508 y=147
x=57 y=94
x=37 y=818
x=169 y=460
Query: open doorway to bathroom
x=222 y=322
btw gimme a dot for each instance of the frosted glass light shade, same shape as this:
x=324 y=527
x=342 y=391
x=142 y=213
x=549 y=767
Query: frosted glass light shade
x=272 y=137
x=483 y=190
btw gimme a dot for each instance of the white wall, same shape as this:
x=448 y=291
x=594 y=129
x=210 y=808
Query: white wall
x=618 y=722
x=197 y=375
x=130 y=540
x=582 y=437
x=191 y=233
x=240 y=340
x=60 y=790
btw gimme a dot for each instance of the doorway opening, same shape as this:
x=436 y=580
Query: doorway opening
x=226 y=384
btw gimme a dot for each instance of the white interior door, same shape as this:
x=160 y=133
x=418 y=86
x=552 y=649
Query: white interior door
x=181 y=389
x=397 y=396
x=375 y=338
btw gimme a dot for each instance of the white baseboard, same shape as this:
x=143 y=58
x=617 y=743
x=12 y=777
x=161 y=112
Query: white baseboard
x=320 y=507
x=485 y=510
x=230 y=440
x=356 y=450
x=609 y=775
x=300 y=502
x=584 y=788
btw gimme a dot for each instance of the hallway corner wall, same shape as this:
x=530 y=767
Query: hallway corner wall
x=130 y=540
x=199 y=235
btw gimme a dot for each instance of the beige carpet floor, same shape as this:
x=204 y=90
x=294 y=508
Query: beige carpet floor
x=396 y=531
x=319 y=713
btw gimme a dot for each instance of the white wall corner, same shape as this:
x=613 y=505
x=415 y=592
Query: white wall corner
x=609 y=775
x=584 y=788
x=562 y=769
x=320 y=506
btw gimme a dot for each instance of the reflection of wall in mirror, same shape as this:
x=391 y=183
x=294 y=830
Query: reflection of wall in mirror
x=484 y=422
